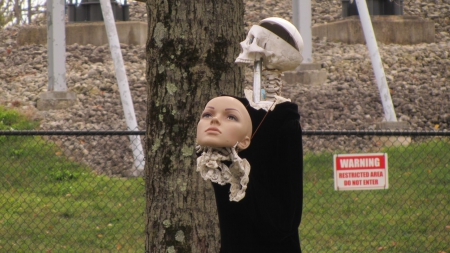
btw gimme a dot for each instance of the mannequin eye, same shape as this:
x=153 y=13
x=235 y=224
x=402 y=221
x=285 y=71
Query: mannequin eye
x=206 y=115
x=251 y=39
x=232 y=117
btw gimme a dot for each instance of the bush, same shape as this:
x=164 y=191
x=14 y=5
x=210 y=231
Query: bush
x=13 y=120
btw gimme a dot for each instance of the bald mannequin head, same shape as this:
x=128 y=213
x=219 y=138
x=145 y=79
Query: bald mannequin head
x=224 y=122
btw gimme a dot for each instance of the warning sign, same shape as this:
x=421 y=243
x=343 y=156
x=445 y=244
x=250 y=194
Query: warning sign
x=360 y=171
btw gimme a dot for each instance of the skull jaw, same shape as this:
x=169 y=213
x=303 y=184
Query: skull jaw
x=244 y=61
x=281 y=63
x=250 y=53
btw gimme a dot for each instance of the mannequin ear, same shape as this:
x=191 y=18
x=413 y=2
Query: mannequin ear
x=244 y=143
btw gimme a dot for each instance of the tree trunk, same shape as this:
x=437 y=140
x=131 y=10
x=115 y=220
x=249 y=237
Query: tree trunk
x=18 y=11
x=191 y=48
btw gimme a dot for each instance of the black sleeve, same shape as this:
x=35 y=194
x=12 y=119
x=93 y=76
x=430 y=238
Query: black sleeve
x=276 y=178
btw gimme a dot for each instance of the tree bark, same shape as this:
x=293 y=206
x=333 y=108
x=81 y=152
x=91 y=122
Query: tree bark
x=18 y=11
x=191 y=48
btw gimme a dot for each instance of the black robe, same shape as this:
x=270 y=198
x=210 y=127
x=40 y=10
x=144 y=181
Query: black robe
x=267 y=219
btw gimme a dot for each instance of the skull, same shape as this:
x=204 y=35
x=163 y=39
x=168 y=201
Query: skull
x=276 y=41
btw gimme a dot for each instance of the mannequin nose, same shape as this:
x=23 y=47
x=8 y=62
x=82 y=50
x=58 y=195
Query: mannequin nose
x=215 y=121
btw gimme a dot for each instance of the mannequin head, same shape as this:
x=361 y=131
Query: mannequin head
x=224 y=122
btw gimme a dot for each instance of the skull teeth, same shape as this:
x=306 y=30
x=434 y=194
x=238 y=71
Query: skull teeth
x=240 y=60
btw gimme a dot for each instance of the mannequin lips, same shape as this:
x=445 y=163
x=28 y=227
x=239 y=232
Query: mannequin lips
x=213 y=129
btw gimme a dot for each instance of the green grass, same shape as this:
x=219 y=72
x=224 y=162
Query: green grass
x=13 y=120
x=413 y=215
x=51 y=204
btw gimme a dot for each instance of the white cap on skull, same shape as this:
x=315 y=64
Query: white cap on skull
x=289 y=27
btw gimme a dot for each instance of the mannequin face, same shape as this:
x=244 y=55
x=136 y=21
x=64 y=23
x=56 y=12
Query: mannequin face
x=223 y=123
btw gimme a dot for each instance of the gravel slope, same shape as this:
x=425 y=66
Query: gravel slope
x=418 y=76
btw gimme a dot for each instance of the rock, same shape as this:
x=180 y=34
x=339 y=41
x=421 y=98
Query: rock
x=416 y=74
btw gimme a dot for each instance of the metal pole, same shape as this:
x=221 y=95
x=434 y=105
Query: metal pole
x=301 y=18
x=29 y=11
x=257 y=81
x=124 y=89
x=56 y=44
x=377 y=65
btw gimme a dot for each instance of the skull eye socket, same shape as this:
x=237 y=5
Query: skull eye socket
x=251 y=40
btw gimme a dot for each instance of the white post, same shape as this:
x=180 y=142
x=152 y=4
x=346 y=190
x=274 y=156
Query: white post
x=377 y=65
x=301 y=18
x=257 y=81
x=124 y=89
x=56 y=44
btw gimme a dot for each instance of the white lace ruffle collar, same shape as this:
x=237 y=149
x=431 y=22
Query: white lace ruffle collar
x=211 y=167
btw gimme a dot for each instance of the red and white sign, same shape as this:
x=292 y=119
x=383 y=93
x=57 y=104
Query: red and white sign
x=360 y=171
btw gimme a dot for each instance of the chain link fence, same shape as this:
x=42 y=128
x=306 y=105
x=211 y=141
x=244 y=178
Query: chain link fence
x=79 y=191
x=412 y=215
